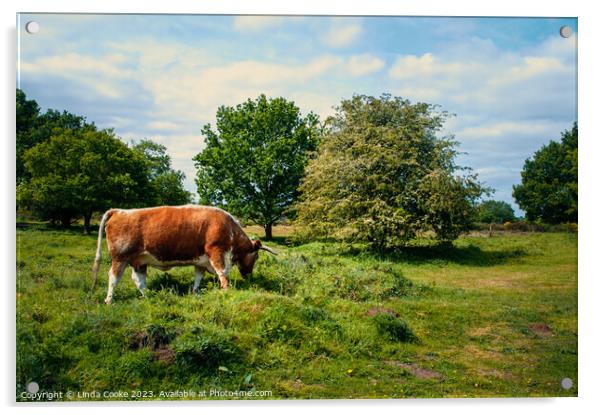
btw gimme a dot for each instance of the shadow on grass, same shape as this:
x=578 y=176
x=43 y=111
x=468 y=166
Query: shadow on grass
x=166 y=281
x=280 y=240
x=47 y=227
x=440 y=254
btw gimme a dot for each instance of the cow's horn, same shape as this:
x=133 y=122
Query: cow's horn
x=267 y=248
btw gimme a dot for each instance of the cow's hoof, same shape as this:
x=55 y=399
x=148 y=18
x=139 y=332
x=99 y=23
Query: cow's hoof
x=108 y=301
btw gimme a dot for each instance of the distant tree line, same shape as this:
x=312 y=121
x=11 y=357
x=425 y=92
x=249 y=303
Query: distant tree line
x=68 y=169
x=376 y=171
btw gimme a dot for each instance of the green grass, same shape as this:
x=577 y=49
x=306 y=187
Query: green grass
x=488 y=317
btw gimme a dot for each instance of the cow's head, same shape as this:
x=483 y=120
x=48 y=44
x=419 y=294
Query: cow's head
x=247 y=261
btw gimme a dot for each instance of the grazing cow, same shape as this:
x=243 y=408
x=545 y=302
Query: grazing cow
x=168 y=236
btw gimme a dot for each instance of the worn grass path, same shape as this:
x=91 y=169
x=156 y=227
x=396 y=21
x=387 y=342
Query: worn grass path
x=491 y=317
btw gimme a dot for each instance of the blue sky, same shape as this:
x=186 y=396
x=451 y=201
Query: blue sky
x=511 y=82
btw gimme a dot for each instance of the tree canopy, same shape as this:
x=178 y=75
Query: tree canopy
x=34 y=127
x=76 y=173
x=166 y=184
x=382 y=175
x=495 y=211
x=253 y=162
x=548 y=191
x=67 y=168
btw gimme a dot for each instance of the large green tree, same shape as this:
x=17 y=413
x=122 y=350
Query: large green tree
x=78 y=172
x=34 y=127
x=382 y=175
x=495 y=211
x=253 y=162
x=167 y=184
x=548 y=191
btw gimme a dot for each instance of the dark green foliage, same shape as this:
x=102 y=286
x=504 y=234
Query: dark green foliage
x=253 y=163
x=166 y=184
x=394 y=328
x=495 y=211
x=67 y=169
x=78 y=172
x=548 y=191
x=34 y=127
x=381 y=175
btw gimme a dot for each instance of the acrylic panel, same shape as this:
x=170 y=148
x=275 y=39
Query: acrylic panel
x=309 y=207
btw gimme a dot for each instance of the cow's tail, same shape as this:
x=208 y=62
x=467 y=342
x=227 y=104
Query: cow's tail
x=98 y=257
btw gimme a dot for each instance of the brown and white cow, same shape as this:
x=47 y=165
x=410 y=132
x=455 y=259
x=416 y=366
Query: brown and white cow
x=208 y=238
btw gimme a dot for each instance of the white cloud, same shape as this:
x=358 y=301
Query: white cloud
x=162 y=125
x=255 y=23
x=530 y=67
x=340 y=36
x=101 y=75
x=505 y=129
x=411 y=66
x=488 y=81
x=364 y=64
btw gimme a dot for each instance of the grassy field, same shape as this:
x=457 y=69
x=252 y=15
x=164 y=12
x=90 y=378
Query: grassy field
x=489 y=317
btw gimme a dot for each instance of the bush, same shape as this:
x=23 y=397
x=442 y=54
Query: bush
x=205 y=350
x=381 y=175
x=394 y=328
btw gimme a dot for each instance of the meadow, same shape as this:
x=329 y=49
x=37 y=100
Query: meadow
x=488 y=317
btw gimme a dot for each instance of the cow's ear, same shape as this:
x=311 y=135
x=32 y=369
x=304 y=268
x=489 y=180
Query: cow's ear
x=256 y=245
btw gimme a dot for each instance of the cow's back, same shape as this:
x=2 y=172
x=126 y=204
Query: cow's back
x=169 y=233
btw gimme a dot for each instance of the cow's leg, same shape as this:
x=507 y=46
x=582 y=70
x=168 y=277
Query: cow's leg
x=222 y=264
x=139 y=277
x=115 y=274
x=198 y=277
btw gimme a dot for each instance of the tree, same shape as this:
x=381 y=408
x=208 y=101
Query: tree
x=167 y=184
x=548 y=191
x=253 y=162
x=79 y=172
x=34 y=128
x=495 y=211
x=381 y=175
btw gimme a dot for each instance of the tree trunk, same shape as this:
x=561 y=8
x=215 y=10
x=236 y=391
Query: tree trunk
x=268 y=231
x=87 y=218
x=66 y=221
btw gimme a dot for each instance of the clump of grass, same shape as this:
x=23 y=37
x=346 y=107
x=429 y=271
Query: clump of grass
x=155 y=336
x=296 y=324
x=394 y=328
x=203 y=349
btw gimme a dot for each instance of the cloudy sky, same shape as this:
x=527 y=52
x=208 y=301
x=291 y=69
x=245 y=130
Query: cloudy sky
x=511 y=82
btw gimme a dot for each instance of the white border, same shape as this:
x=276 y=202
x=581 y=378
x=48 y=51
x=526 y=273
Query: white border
x=590 y=206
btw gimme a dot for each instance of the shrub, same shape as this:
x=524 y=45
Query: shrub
x=205 y=349
x=394 y=328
